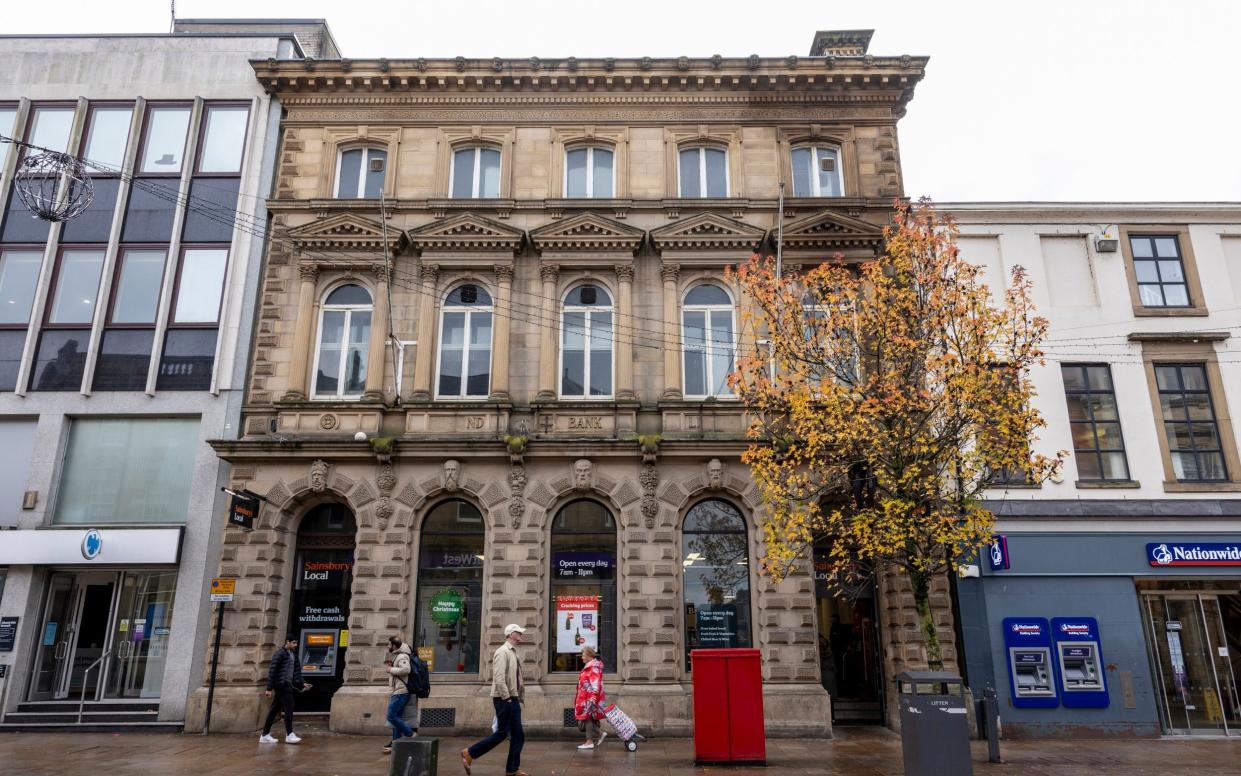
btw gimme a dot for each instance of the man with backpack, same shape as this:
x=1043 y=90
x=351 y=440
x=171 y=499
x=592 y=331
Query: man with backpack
x=408 y=679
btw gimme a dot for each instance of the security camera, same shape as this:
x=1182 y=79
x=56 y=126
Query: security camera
x=360 y=436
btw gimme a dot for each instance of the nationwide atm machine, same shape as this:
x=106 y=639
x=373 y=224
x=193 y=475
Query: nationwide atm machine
x=1079 y=662
x=1027 y=642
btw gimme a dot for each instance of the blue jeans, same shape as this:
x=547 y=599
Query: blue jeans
x=396 y=706
x=508 y=725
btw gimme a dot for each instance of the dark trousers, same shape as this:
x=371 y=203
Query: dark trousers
x=508 y=725
x=281 y=700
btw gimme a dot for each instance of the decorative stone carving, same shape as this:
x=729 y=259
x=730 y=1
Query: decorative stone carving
x=386 y=479
x=318 y=475
x=715 y=474
x=682 y=63
x=583 y=471
x=328 y=421
x=517 y=488
x=717 y=61
x=670 y=272
x=752 y=62
x=645 y=63
x=452 y=476
x=497 y=64
x=383 y=512
x=649 y=480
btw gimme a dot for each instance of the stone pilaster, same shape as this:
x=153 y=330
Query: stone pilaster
x=625 y=332
x=500 y=327
x=672 y=332
x=428 y=276
x=299 y=364
x=549 y=273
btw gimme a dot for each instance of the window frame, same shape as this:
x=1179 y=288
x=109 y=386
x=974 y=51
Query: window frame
x=115 y=283
x=1183 y=393
x=1193 y=285
x=41 y=249
x=54 y=282
x=88 y=125
x=477 y=148
x=465 y=347
x=708 y=344
x=590 y=149
x=200 y=146
x=750 y=587
x=552 y=583
x=1092 y=423
x=366 y=150
x=12 y=131
x=148 y=111
x=565 y=308
x=32 y=113
x=348 y=309
x=1155 y=259
x=815 y=185
x=176 y=285
x=483 y=666
x=702 y=148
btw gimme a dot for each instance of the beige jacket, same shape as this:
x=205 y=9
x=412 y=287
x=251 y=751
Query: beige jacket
x=399 y=670
x=506 y=673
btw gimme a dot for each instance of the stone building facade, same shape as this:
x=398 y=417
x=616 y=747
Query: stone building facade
x=551 y=270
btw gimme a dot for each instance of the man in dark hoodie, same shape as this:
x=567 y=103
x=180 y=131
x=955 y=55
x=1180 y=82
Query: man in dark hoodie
x=284 y=675
x=398 y=667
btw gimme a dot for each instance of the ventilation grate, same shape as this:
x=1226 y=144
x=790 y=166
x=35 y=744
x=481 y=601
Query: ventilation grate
x=569 y=720
x=437 y=718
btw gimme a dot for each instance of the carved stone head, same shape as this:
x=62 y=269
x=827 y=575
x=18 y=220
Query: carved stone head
x=715 y=474
x=582 y=470
x=318 y=476
x=452 y=475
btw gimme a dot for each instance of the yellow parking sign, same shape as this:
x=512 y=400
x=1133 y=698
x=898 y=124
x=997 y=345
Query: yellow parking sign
x=222 y=589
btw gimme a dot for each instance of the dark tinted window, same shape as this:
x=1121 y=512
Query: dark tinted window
x=211 y=210
x=11 y=343
x=124 y=357
x=189 y=355
x=60 y=360
x=152 y=204
x=94 y=225
x=20 y=225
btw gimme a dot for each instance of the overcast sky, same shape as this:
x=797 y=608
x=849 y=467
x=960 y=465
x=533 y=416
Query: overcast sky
x=1123 y=100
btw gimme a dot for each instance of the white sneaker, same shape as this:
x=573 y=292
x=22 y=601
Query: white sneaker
x=266 y=739
x=586 y=746
x=292 y=739
x=602 y=736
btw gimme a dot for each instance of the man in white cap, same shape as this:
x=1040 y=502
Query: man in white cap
x=506 y=693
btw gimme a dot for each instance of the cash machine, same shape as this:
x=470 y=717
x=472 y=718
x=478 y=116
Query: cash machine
x=1079 y=662
x=1031 y=678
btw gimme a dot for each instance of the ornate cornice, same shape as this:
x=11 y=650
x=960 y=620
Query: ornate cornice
x=466 y=232
x=821 y=234
x=707 y=232
x=587 y=232
x=344 y=232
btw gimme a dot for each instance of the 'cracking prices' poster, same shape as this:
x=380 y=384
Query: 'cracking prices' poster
x=577 y=623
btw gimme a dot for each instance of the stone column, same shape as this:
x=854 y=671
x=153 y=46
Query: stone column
x=624 y=332
x=428 y=276
x=549 y=325
x=672 y=332
x=500 y=334
x=304 y=326
x=375 y=361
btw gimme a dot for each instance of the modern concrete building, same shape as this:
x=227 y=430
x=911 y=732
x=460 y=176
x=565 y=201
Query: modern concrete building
x=1142 y=534
x=488 y=381
x=124 y=336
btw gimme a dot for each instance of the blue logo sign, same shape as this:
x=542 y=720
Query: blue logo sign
x=998 y=553
x=1167 y=554
x=92 y=544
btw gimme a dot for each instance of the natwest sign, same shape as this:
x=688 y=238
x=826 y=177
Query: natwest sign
x=1179 y=554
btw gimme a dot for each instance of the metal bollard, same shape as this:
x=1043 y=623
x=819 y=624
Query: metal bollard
x=991 y=724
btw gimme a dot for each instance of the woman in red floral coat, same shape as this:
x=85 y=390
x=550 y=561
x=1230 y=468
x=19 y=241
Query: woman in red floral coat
x=590 y=700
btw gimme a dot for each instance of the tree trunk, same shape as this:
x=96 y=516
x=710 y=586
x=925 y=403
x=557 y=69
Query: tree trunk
x=921 y=583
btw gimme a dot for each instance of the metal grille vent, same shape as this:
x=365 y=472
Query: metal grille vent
x=437 y=718
x=569 y=720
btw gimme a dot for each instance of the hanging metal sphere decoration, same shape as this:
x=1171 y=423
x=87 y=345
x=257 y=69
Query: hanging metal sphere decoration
x=54 y=186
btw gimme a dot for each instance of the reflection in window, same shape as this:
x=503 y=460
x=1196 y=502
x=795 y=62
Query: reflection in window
x=355 y=178
x=716 y=569
x=189 y=355
x=1159 y=270
x=211 y=210
x=94 y=225
x=77 y=287
x=123 y=359
x=465 y=343
x=137 y=289
x=708 y=341
x=344 y=339
x=20 y=225
x=816 y=172
x=1098 y=445
x=583 y=569
x=8 y=118
x=108 y=134
x=703 y=172
x=588 y=172
x=163 y=149
x=586 y=343
x=150 y=212
x=19 y=274
x=200 y=285
x=60 y=360
x=448 y=619
x=1189 y=422
x=51 y=127
x=224 y=139
x=476 y=173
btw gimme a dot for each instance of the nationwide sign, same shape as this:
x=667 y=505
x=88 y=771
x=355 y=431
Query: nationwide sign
x=1168 y=554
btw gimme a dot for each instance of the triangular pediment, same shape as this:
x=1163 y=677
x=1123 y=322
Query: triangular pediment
x=587 y=232
x=707 y=231
x=343 y=231
x=831 y=231
x=466 y=232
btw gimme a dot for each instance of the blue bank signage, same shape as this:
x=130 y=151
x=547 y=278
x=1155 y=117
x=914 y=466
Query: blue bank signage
x=997 y=553
x=1170 y=554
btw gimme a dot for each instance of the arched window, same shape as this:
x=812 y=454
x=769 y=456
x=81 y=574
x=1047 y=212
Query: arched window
x=322 y=581
x=448 y=619
x=708 y=341
x=344 y=337
x=583 y=586
x=586 y=343
x=716 y=568
x=476 y=172
x=360 y=173
x=703 y=172
x=816 y=171
x=588 y=172
x=465 y=344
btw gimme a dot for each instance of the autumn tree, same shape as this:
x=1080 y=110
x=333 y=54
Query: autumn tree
x=892 y=395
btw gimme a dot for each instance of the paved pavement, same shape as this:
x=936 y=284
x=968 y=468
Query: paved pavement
x=854 y=751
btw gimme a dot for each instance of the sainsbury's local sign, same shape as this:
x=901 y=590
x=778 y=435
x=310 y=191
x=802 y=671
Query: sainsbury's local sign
x=1168 y=554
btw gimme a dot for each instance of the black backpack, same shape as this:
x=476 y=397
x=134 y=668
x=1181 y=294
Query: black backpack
x=419 y=680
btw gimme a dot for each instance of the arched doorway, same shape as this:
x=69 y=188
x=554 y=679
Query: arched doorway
x=448 y=617
x=850 y=661
x=319 y=615
x=715 y=573
x=583 y=588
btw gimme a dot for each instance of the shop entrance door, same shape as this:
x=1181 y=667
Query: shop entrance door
x=1190 y=647
x=73 y=635
x=850 y=663
x=140 y=633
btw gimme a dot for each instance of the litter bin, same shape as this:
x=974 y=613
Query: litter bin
x=415 y=757
x=935 y=736
x=728 y=707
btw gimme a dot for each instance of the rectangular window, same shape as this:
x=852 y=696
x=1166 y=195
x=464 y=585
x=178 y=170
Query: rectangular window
x=200 y=285
x=1098 y=445
x=189 y=347
x=1189 y=423
x=77 y=288
x=19 y=276
x=94 y=225
x=1159 y=270
x=123 y=359
x=476 y=173
x=588 y=173
x=17 y=442
x=12 y=341
x=20 y=225
x=51 y=126
x=224 y=139
x=127 y=470
x=8 y=124
x=107 y=135
x=60 y=360
x=188 y=360
x=152 y=207
x=211 y=210
x=163 y=147
x=137 y=287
